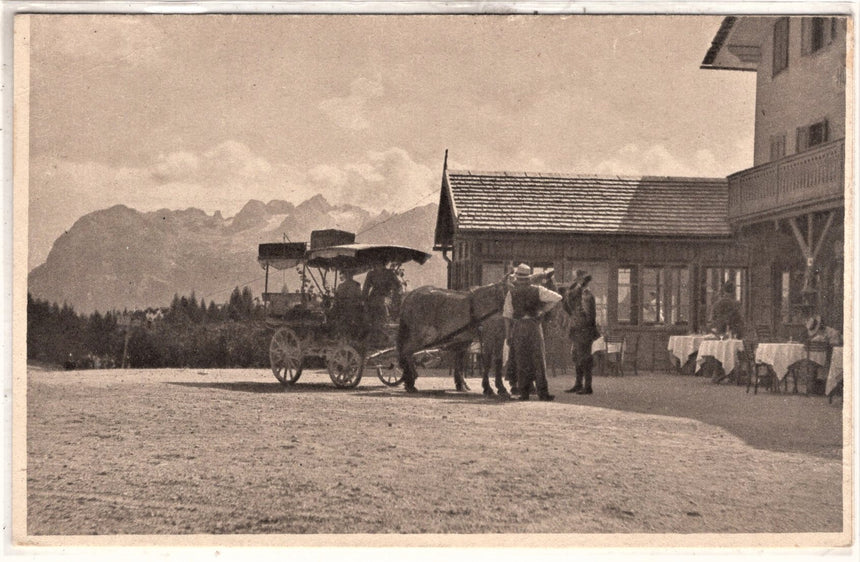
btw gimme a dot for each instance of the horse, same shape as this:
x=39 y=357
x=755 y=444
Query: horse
x=430 y=317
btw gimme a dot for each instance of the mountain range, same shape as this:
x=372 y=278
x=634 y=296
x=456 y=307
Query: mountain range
x=120 y=258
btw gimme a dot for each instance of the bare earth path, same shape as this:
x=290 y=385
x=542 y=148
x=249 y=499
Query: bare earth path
x=211 y=451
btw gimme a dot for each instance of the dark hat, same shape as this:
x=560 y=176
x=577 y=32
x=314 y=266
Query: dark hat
x=729 y=287
x=581 y=276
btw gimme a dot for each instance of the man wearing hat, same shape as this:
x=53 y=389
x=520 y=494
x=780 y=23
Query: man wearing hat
x=525 y=304
x=579 y=304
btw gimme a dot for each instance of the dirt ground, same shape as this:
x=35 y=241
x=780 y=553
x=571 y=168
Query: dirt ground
x=232 y=451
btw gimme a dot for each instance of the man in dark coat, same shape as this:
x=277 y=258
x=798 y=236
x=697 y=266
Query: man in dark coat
x=525 y=304
x=579 y=304
x=382 y=290
x=727 y=317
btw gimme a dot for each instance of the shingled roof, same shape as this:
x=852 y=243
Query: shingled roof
x=554 y=203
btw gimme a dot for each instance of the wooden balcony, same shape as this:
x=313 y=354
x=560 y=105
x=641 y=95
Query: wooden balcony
x=808 y=181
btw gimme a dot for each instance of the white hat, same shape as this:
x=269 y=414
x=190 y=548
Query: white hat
x=523 y=272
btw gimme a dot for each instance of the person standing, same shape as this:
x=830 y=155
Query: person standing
x=347 y=308
x=524 y=306
x=579 y=304
x=381 y=286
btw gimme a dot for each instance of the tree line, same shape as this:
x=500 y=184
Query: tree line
x=188 y=333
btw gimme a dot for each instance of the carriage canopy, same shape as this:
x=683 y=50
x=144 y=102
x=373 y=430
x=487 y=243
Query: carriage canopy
x=355 y=257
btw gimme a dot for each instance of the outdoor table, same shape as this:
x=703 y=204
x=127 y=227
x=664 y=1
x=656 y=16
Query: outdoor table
x=682 y=347
x=724 y=351
x=780 y=356
x=834 y=375
x=600 y=345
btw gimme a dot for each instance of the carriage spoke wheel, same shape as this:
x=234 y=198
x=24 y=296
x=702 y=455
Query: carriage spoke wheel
x=345 y=365
x=385 y=364
x=285 y=356
x=389 y=374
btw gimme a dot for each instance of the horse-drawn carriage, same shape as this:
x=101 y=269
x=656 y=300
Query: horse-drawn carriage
x=317 y=322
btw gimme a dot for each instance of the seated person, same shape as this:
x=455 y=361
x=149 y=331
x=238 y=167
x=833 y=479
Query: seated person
x=817 y=331
x=726 y=318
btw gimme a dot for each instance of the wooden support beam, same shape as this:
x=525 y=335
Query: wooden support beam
x=824 y=232
x=810 y=234
x=803 y=247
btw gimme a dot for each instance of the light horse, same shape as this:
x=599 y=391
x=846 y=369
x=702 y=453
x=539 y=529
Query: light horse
x=431 y=317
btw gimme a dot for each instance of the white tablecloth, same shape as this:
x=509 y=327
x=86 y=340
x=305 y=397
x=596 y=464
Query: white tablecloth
x=724 y=351
x=780 y=356
x=684 y=346
x=600 y=345
x=834 y=376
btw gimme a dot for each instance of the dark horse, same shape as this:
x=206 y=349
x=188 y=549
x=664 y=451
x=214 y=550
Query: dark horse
x=432 y=317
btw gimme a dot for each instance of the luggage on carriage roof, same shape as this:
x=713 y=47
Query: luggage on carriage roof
x=331 y=237
x=281 y=255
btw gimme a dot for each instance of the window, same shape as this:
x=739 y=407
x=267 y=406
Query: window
x=626 y=290
x=492 y=272
x=715 y=278
x=816 y=33
x=777 y=147
x=812 y=135
x=665 y=295
x=792 y=310
x=780 y=45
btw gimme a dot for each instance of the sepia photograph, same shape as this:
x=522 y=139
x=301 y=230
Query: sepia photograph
x=510 y=278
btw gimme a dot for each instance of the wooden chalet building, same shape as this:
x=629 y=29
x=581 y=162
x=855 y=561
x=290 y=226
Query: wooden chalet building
x=657 y=248
x=789 y=208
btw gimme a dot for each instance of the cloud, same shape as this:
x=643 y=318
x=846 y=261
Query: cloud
x=175 y=166
x=350 y=112
x=223 y=177
x=388 y=179
x=657 y=160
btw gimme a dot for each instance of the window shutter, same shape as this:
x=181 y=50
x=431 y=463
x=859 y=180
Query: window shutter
x=802 y=139
x=805 y=36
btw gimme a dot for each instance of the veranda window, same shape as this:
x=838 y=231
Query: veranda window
x=665 y=295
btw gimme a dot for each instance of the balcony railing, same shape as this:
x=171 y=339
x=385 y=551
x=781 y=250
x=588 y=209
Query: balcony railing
x=809 y=178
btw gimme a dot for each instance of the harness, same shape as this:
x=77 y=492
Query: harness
x=473 y=323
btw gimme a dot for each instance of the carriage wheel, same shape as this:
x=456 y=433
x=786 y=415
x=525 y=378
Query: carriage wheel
x=345 y=365
x=389 y=375
x=285 y=356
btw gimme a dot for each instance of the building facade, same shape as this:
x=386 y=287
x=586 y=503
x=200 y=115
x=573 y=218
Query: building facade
x=790 y=206
x=658 y=248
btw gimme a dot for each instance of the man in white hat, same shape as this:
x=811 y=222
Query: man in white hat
x=525 y=304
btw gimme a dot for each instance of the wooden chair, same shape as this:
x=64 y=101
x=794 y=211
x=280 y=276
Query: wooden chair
x=618 y=350
x=817 y=361
x=764 y=333
x=759 y=373
x=745 y=364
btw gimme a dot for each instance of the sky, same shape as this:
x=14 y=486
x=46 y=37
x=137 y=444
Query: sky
x=209 y=111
